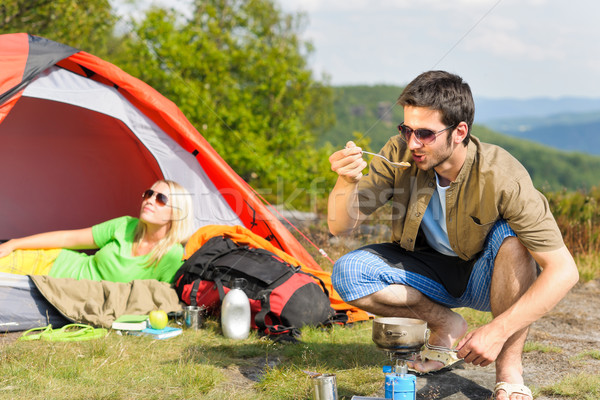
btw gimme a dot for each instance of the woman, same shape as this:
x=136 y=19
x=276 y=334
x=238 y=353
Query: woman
x=129 y=248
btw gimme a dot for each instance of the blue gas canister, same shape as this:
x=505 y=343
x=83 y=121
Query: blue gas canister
x=400 y=386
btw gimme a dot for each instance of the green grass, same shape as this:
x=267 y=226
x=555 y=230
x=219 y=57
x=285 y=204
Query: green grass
x=194 y=365
x=540 y=348
x=590 y=354
x=575 y=386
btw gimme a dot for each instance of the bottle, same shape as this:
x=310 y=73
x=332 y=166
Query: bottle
x=235 y=312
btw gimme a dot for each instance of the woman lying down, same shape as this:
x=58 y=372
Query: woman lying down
x=148 y=247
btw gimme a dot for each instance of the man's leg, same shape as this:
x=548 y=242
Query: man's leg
x=514 y=272
x=367 y=282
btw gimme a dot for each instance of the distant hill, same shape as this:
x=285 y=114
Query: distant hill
x=571 y=132
x=487 y=110
x=371 y=114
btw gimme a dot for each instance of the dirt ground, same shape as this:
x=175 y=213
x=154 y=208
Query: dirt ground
x=571 y=328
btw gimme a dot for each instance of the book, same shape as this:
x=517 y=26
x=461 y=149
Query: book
x=130 y=322
x=165 y=333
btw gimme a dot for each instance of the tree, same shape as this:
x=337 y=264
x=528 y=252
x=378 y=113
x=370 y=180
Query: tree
x=238 y=71
x=85 y=25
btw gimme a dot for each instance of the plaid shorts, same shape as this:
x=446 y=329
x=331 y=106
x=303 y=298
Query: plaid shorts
x=361 y=273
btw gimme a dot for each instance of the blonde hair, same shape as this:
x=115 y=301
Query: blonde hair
x=181 y=224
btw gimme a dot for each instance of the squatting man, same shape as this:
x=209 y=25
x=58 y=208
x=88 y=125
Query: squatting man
x=468 y=230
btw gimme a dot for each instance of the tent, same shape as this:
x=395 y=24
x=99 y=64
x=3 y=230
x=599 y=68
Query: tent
x=80 y=140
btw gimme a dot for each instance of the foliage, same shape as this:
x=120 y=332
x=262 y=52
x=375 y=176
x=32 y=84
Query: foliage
x=579 y=217
x=370 y=110
x=237 y=70
x=86 y=25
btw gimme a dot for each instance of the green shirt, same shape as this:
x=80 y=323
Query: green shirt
x=491 y=185
x=114 y=260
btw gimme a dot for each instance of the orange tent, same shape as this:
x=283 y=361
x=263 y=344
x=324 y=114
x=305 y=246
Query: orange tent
x=80 y=140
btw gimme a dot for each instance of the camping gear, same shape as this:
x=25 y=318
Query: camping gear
x=399 y=334
x=400 y=386
x=283 y=298
x=192 y=315
x=23 y=307
x=235 y=312
x=73 y=126
x=400 y=338
x=325 y=387
x=243 y=236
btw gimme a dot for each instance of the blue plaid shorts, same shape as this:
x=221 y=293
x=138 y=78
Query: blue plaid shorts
x=360 y=273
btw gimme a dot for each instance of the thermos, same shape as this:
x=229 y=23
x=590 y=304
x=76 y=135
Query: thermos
x=235 y=312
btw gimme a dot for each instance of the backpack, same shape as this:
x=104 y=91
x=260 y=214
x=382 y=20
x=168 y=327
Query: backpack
x=282 y=297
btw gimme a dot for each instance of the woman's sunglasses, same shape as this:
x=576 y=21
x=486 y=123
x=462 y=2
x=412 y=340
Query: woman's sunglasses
x=161 y=199
x=422 y=136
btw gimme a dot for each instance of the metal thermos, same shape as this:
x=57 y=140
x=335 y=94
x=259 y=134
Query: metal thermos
x=235 y=312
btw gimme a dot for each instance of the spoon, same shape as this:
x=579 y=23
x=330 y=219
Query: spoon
x=402 y=164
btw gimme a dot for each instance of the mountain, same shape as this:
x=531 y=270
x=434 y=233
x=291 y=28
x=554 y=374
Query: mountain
x=571 y=132
x=368 y=115
x=487 y=110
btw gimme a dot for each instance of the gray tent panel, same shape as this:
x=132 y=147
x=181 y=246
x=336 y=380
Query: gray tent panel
x=23 y=306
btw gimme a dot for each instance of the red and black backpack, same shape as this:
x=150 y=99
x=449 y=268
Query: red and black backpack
x=283 y=298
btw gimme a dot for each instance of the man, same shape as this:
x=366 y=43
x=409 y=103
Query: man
x=467 y=230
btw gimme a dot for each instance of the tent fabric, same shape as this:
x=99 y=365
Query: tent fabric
x=23 y=306
x=80 y=140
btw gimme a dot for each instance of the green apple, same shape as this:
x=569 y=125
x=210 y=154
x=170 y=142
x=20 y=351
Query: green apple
x=158 y=319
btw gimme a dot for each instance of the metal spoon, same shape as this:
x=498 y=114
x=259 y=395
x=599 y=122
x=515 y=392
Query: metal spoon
x=402 y=164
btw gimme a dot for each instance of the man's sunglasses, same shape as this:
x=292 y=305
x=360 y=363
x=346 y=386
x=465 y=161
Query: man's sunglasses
x=422 y=136
x=161 y=199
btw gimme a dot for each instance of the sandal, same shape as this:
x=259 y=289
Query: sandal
x=68 y=333
x=28 y=335
x=445 y=355
x=74 y=333
x=511 y=388
x=448 y=358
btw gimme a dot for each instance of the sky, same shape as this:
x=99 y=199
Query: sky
x=502 y=48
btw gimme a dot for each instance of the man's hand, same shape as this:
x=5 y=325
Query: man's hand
x=481 y=346
x=348 y=163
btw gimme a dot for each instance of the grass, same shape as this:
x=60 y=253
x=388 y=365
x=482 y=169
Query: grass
x=205 y=365
x=540 y=348
x=194 y=365
x=575 y=386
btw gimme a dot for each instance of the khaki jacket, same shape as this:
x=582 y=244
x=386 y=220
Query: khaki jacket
x=491 y=185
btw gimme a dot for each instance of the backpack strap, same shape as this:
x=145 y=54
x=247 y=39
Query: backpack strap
x=283 y=333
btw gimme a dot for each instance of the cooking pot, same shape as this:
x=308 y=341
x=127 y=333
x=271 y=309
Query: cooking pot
x=399 y=334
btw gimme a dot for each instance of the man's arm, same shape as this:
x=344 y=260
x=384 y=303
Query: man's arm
x=559 y=275
x=343 y=214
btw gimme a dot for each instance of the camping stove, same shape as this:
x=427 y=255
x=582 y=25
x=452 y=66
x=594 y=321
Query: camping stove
x=401 y=339
x=399 y=384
